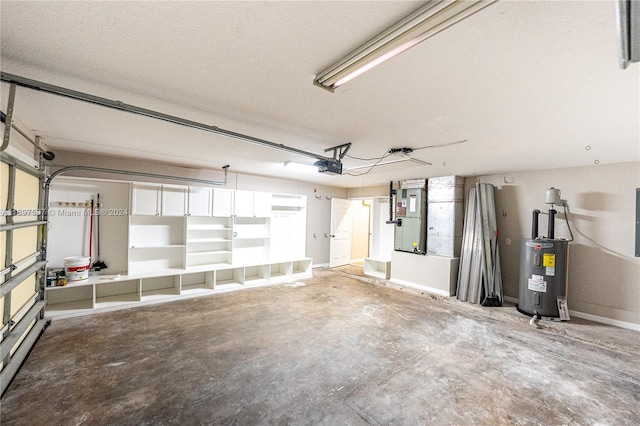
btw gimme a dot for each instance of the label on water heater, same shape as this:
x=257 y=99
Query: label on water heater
x=549 y=262
x=549 y=259
x=537 y=283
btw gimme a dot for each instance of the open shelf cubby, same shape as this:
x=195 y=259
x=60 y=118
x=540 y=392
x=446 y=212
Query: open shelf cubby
x=70 y=297
x=197 y=281
x=229 y=276
x=281 y=269
x=256 y=274
x=301 y=267
x=166 y=285
x=379 y=268
x=156 y=231
x=116 y=292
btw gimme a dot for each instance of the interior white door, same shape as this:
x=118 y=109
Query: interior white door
x=340 y=245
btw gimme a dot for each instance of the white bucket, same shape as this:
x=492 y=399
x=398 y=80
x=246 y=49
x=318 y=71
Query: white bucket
x=76 y=268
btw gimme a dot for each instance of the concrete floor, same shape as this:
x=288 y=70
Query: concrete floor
x=332 y=350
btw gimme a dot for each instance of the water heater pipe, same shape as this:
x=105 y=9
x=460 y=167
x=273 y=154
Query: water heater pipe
x=552 y=223
x=534 y=224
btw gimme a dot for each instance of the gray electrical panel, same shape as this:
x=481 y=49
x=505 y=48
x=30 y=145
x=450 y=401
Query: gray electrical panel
x=411 y=217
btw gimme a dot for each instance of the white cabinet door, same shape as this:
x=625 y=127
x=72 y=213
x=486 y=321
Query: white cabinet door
x=200 y=201
x=262 y=204
x=145 y=199
x=222 y=202
x=243 y=205
x=174 y=200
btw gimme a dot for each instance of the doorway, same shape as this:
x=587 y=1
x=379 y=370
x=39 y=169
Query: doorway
x=359 y=230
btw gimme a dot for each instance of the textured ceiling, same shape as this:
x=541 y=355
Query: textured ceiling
x=528 y=85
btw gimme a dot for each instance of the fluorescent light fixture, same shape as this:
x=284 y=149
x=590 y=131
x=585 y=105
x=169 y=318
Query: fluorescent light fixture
x=301 y=167
x=628 y=12
x=425 y=22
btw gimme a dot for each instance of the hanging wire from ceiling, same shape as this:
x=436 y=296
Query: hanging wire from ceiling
x=377 y=159
x=406 y=151
x=442 y=145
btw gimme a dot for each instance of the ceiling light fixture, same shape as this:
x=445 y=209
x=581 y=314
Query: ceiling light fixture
x=301 y=167
x=425 y=22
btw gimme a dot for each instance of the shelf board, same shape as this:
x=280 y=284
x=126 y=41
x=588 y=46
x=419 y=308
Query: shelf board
x=105 y=301
x=228 y=283
x=70 y=306
x=255 y=280
x=167 y=246
x=160 y=292
x=207 y=228
x=209 y=252
x=70 y=284
x=196 y=288
x=208 y=240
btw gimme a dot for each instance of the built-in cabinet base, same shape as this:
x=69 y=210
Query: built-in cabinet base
x=107 y=292
x=379 y=268
x=434 y=274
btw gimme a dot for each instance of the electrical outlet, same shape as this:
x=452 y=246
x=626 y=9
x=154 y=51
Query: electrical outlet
x=507 y=241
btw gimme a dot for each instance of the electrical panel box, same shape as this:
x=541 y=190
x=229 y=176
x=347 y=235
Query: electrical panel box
x=411 y=217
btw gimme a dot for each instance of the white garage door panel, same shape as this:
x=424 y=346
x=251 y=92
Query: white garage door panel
x=21 y=307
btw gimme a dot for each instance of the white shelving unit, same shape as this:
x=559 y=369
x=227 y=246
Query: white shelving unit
x=190 y=241
x=101 y=293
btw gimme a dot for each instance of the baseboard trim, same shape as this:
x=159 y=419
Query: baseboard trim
x=605 y=320
x=320 y=265
x=420 y=287
x=590 y=317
